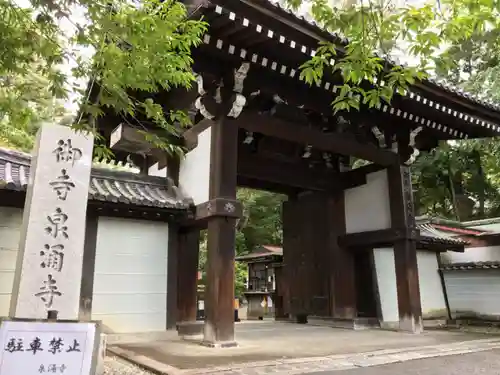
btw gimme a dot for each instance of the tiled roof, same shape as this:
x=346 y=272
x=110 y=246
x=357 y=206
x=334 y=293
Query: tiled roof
x=269 y=251
x=106 y=185
x=273 y=249
x=471 y=266
x=308 y=19
x=430 y=234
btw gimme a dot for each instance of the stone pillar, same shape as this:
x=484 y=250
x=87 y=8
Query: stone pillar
x=223 y=211
x=405 y=251
x=49 y=264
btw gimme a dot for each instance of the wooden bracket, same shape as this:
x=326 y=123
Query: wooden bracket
x=219 y=207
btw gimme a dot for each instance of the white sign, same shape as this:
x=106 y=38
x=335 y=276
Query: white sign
x=49 y=264
x=34 y=348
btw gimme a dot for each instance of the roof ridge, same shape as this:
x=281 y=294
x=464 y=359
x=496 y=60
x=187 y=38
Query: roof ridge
x=444 y=84
x=104 y=185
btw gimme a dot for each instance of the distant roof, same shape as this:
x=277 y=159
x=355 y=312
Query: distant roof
x=430 y=234
x=106 y=185
x=471 y=266
x=262 y=252
x=305 y=17
x=465 y=228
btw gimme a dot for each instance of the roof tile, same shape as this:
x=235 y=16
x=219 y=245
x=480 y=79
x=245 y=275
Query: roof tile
x=105 y=185
x=307 y=18
x=471 y=266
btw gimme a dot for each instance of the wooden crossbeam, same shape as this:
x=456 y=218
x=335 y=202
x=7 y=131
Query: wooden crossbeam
x=256 y=167
x=372 y=238
x=335 y=143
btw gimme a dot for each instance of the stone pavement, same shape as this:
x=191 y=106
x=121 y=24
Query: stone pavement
x=480 y=363
x=330 y=364
x=296 y=349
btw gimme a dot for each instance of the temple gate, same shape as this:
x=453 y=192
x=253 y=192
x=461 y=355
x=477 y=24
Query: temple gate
x=257 y=124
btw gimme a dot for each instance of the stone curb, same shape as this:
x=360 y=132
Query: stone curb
x=144 y=362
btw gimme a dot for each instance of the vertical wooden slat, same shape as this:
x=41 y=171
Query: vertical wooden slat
x=342 y=277
x=187 y=272
x=405 y=251
x=172 y=268
x=88 y=267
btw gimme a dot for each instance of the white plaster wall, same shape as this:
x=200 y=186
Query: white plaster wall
x=431 y=291
x=10 y=226
x=154 y=171
x=367 y=206
x=474 y=292
x=130 y=279
x=473 y=254
x=385 y=269
x=194 y=171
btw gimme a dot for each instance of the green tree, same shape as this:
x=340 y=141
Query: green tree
x=33 y=104
x=138 y=51
x=453 y=39
x=260 y=225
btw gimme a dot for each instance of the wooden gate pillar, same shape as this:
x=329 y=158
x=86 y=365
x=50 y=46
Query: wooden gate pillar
x=222 y=212
x=342 y=276
x=187 y=275
x=405 y=251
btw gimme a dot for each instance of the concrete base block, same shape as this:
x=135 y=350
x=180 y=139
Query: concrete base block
x=390 y=326
x=411 y=325
x=220 y=345
x=403 y=325
x=435 y=323
x=189 y=329
x=354 y=324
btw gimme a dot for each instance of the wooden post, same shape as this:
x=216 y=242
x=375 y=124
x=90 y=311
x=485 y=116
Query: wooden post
x=88 y=269
x=187 y=272
x=405 y=251
x=342 y=276
x=219 y=292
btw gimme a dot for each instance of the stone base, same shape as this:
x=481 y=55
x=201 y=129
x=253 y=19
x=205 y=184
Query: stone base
x=220 y=345
x=435 y=323
x=354 y=324
x=189 y=329
x=389 y=326
x=101 y=355
x=404 y=325
x=410 y=325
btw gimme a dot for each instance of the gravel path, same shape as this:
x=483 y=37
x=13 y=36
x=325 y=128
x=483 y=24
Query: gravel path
x=117 y=366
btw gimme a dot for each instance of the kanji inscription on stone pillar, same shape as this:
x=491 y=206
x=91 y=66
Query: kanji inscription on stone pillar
x=49 y=264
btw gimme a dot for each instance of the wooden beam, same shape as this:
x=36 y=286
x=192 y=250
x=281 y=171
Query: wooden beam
x=267 y=186
x=357 y=177
x=187 y=272
x=89 y=254
x=295 y=92
x=343 y=276
x=335 y=143
x=256 y=167
x=374 y=238
x=219 y=292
